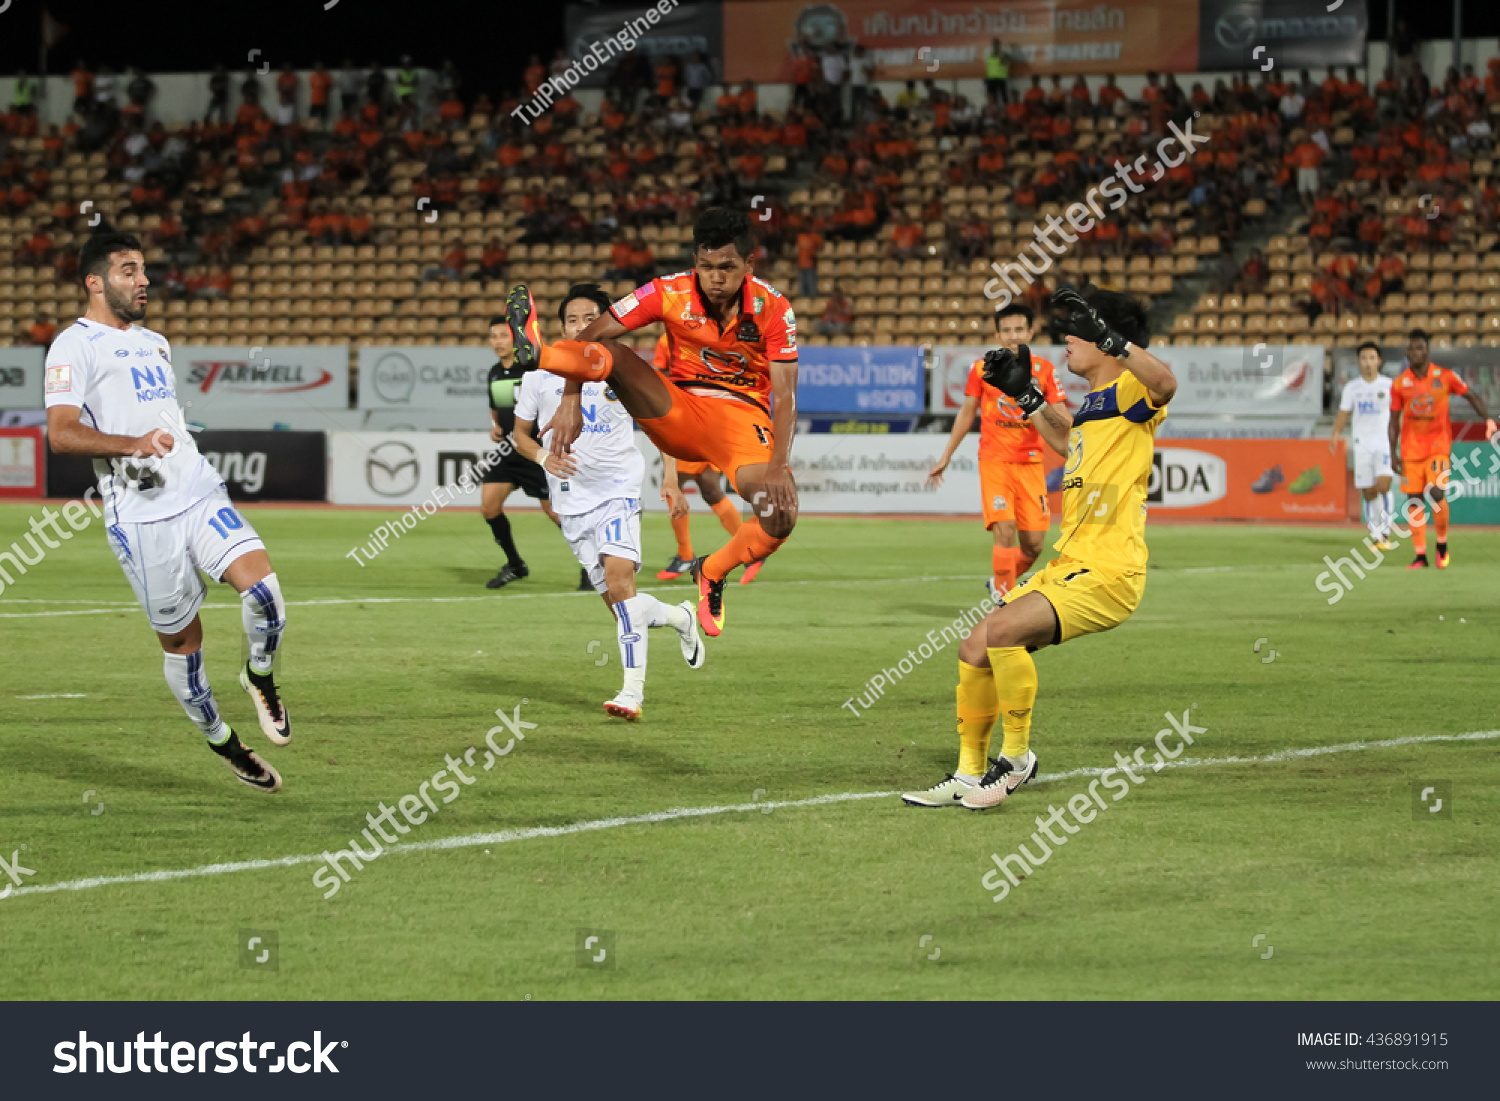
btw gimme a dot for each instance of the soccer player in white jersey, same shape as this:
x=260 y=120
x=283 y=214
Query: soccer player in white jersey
x=1366 y=402
x=111 y=395
x=596 y=490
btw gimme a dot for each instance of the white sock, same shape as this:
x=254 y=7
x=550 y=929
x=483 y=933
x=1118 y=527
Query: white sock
x=632 y=618
x=967 y=778
x=264 y=615
x=1387 y=512
x=1020 y=763
x=189 y=683
x=1370 y=513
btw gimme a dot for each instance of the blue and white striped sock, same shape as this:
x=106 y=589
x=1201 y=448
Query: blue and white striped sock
x=264 y=615
x=189 y=683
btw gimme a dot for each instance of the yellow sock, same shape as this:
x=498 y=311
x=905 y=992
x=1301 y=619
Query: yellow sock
x=977 y=709
x=1014 y=674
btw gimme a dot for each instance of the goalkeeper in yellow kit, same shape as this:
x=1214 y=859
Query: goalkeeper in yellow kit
x=1099 y=575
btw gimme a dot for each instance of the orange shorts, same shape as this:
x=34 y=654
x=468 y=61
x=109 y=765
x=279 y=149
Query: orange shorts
x=692 y=470
x=1418 y=474
x=1015 y=491
x=723 y=432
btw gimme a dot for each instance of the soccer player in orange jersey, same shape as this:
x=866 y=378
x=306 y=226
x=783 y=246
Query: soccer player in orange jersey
x=1419 y=419
x=733 y=349
x=709 y=488
x=1012 y=479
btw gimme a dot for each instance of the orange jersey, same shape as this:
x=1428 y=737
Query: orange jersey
x=662 y=356
x=700 y=356
x=1004 y=434
x=1423 y=405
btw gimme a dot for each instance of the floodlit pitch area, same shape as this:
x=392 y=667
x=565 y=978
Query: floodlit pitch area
x=1177 y=891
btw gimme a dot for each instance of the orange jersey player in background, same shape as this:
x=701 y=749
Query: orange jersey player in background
x=709 y=487
x=1012 y=476
x=732 y=351
x=1419 y=419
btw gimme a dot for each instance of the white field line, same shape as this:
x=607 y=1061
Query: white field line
x=107 y=607
x=472 y=840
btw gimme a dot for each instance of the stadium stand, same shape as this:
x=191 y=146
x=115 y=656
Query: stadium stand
x=1356 y=209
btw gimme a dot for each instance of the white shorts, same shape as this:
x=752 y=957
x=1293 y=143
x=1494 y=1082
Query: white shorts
x=1307 y=180
x=613 y=528
x=162 y=558
x=1372 y=464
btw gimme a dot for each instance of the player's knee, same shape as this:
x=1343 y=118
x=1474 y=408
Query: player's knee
x=780 y=522
x=971 y=651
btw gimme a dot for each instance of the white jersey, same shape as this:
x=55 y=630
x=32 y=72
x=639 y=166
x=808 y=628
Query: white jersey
x=1369 y=407
x=609 y=464
x=122 y=380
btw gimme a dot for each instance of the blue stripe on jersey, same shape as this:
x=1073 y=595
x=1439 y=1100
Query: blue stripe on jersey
x=1102 y=405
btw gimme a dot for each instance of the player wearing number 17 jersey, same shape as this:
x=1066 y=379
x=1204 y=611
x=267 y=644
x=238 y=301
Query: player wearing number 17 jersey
x=733 y=349
x=111 y=395
x=1099 y=576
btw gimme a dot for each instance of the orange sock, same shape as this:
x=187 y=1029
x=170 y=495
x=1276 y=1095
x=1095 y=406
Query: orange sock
x=1418 y=520
x=728 y=515
x=575 y=359
x=1440 y=521
x=1003 y=562
x=1024 y=562
x=684 y=540
x=749 y=544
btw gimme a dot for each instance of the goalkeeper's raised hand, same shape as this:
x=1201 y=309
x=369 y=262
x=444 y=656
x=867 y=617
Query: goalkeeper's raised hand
x=1073 y=315
x=1010 y=373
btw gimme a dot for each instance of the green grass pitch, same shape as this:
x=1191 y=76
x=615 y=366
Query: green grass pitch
x=390 y=667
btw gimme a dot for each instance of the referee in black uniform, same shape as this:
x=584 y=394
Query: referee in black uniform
x=512 y=471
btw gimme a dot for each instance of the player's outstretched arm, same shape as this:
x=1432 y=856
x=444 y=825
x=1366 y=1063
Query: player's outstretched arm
x=1477 y=404
x=68 y=435
x=783 y=426
x=961 y=425
x=1340 y=419
x=671 y=491
x=1054 y=422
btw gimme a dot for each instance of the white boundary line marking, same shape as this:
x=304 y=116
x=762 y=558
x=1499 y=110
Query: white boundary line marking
x=464 y=841
x=106 y=607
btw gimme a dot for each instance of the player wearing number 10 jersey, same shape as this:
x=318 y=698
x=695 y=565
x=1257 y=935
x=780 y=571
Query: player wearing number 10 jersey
x=1098 y=578
x=111 y=395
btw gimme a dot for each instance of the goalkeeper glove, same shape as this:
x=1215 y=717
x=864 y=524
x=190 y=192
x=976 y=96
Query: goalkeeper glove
x=1010 y=373
x=1073 y=316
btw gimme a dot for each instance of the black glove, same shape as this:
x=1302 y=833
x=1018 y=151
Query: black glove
x=1010 y=373
x=1073 y=316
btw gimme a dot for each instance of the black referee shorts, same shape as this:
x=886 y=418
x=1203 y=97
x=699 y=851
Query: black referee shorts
x=521 y=472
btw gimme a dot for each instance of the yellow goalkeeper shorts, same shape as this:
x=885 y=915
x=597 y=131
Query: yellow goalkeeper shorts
x=1087 y=599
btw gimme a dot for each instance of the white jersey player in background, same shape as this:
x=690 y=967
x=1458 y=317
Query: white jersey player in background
x=1366 y=401
x=111 y=395
x=596 y=490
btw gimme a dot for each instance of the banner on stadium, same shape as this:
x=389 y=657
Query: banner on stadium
x=914 y=39
x=1248 y=479
x=406 y=468
x=21 y=377
x=1479 y=367
x=1474 y=484
x=224 y=379
x=876 y=380
x=23 y=462
x=685 y=29
x=1296 y=35
x=1250 y=381
x=255 y=466
x=419 y=377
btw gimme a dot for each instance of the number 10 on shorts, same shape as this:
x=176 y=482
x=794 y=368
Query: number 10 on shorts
x=226 y=521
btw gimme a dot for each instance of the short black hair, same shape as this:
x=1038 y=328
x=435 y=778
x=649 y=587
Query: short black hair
x=498 y=319
x=1121 y=312
x=719 y=226
x=1370 y=344
x=94 y=258
x=1015 y=309
x=1419 y=334
x=592 y=291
